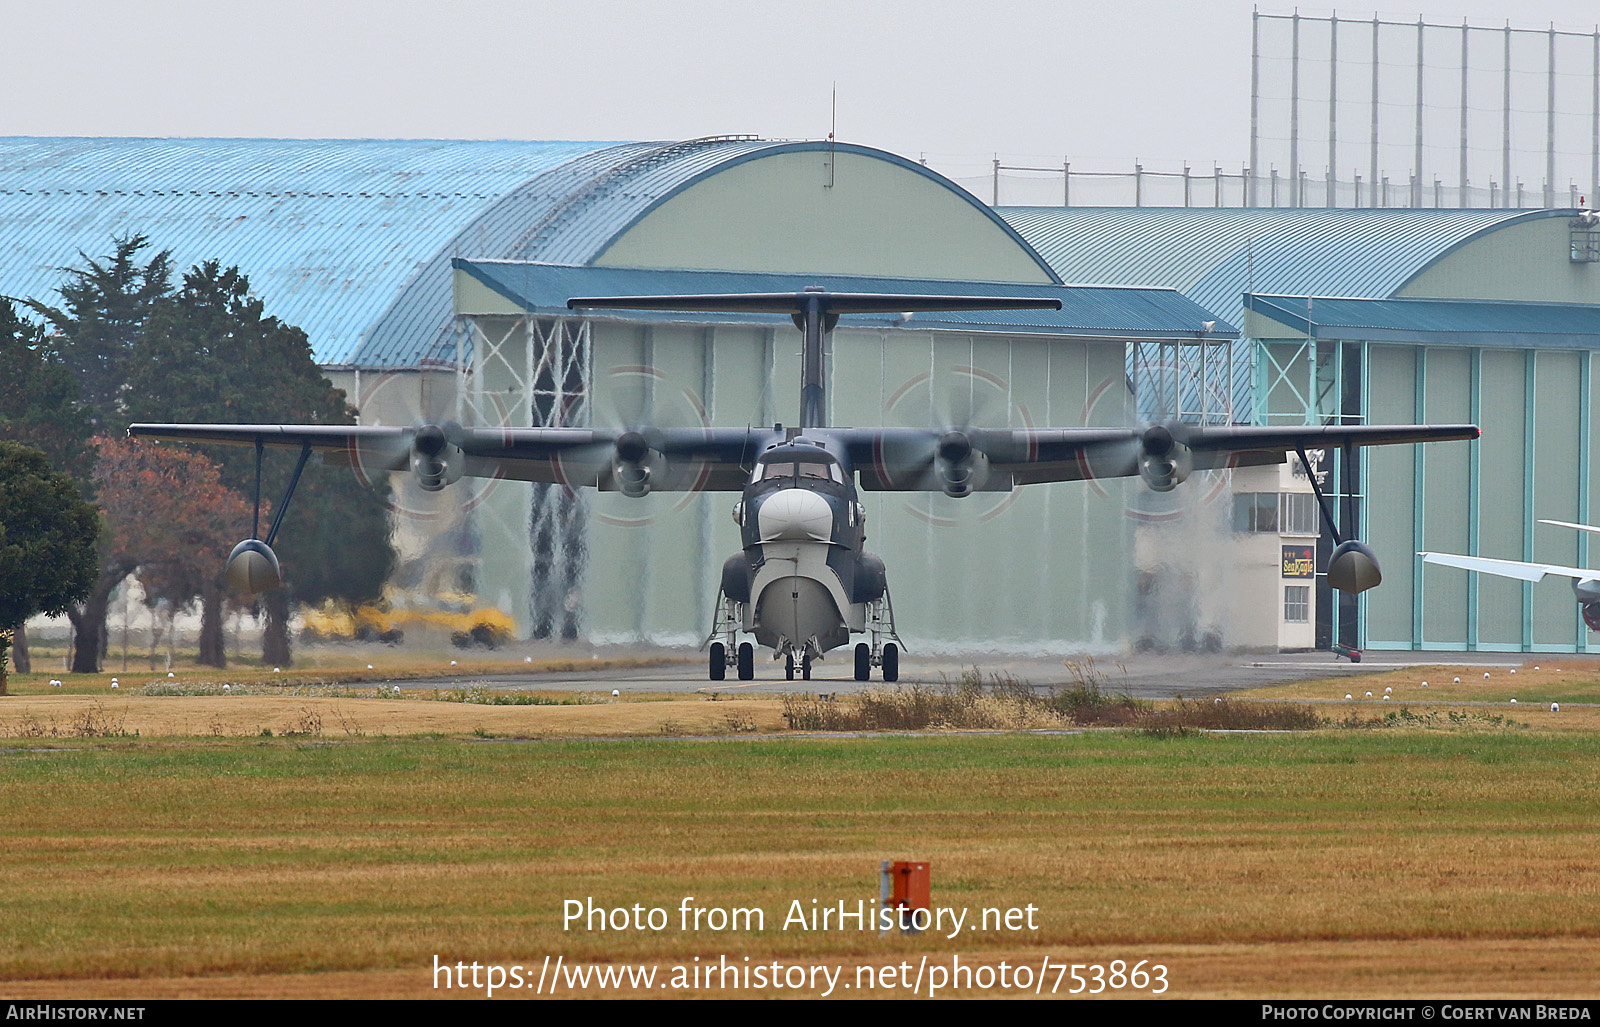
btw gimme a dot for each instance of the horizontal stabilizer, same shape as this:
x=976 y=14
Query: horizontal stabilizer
x=832 y=302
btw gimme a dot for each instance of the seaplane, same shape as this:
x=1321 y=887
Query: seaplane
x=803 y=583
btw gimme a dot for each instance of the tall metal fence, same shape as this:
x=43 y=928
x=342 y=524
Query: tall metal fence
x=1448 y=115
x=1370 y=113
x=1009 y=185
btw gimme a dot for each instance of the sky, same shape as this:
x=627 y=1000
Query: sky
x=957 y=83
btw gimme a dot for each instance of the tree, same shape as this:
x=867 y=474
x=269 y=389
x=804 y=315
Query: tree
x=212 y=354
x=39 y=397
x=47 y=541
x=103 y=323
x=96 y=332
x=39 y=408
x=172 y=522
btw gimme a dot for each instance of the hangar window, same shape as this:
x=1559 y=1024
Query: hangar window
x=1285 y=513
x=1297 y=604
x=1585 y=245
x=1255 y=511
x=1297 y=514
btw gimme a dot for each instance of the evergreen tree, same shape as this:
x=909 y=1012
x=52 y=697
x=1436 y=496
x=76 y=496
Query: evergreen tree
x=39 y=397
x=102 y=324
x=39 y=408
x=47 y=541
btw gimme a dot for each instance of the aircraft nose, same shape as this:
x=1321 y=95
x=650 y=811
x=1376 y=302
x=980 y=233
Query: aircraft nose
x=796 y=515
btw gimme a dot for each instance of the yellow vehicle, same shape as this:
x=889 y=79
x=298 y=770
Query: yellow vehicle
x=397 y=613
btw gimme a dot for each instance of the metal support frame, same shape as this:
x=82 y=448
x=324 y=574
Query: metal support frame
x=1331 y=199
x=1462 y=174
x=547 y=365
x=1296 y=197
x=880 y=623
x=1272 y=373
x=1251 y=199
x=1416 y=171
x=288 y=493
x=1183 y=381
x=1474 y=489
x=1550 y=126
x=283 y=504
x=1505 y=123
x=255 y=518
x=1529 y=369
x=1585 y=412
x=1322 y=502
x=1418 y=492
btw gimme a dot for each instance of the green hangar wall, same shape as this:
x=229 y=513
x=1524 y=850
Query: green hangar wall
x=1046 y=568
x=1491 y=317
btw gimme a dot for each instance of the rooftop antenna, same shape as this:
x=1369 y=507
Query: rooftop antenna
x=833 y=128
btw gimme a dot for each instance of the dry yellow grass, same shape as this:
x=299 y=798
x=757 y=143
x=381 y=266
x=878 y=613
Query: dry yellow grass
x=1458 y=861
x=1568 y=681
x=1365 y=969
x=63 y=716
x=330 y=664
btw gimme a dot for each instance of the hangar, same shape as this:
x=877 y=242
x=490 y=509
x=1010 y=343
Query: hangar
x=361 y=243
x=430 y=276
x=1488 y=316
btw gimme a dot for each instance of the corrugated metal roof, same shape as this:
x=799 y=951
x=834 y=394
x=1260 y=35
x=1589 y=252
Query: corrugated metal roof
x=1215 y=255
x=1117 y=312
x=349 y=239
x=1465 y=322
x=327 y=230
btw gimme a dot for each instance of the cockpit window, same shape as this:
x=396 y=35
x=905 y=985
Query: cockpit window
x=820 y=469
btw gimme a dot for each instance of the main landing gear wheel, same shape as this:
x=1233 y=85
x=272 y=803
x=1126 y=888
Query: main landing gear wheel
x=788 y=667
x=747 y=661
x=863 y=661
x=719 y=661
x=891 y=662
x=805 y=668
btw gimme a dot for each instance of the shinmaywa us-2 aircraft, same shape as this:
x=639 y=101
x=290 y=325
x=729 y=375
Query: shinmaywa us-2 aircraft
x=1585 y=583
x=802 y=584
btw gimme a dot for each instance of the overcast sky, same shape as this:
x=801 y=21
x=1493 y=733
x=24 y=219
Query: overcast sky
x=1165 y=80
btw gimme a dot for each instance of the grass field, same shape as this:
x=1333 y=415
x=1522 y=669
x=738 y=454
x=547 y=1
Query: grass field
x=314 y=665
x=1427 y=855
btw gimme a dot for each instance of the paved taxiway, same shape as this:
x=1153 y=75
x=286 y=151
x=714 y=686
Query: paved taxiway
x=1144 y=676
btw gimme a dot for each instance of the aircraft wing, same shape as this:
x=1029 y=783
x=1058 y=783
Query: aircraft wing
x=1508 y=568
x=902 y=459
x=682 y=459
x=1570 y=524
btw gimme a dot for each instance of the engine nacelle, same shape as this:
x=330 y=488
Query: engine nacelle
x=1591 y=616
x=961 y=468
x=435 y=462
x=1164 y=462
x=252 y=567
x=1353 y=567
x=632 y=467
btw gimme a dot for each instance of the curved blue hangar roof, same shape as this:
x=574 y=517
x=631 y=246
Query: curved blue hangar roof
x=1216 y=255
x=349 y=239
x=328 y=231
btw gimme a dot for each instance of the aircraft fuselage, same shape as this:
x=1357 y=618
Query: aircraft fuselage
x=803 y=581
